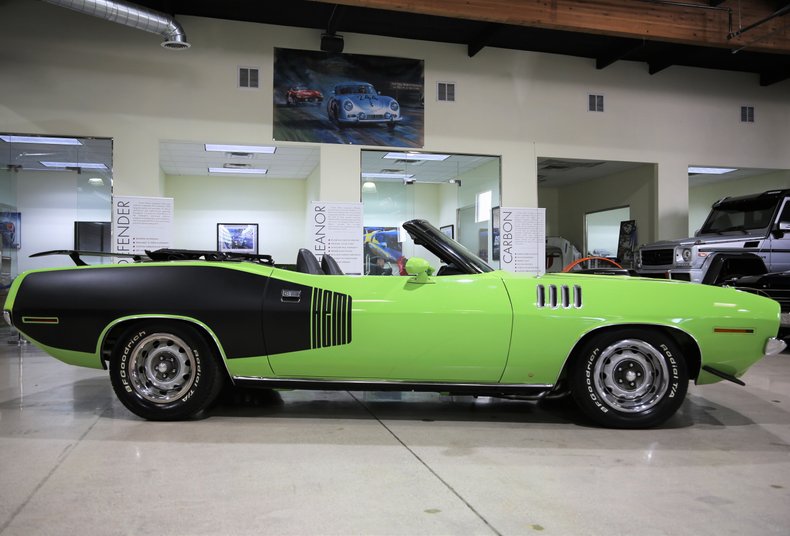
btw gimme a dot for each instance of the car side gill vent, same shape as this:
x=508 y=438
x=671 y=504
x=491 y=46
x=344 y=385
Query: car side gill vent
x=562 y=297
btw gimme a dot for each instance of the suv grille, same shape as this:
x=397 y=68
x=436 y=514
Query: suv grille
x=657 y=257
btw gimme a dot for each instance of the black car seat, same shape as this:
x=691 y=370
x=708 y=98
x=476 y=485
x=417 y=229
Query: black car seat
x=307 y=263
x=329 y=265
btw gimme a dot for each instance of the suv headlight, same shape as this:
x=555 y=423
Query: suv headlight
x=686 y=255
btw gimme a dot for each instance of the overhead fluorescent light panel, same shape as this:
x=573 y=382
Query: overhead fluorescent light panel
x=710 y=170
x=238 y=170
x=40 y=139
x=264 y=149
x=400 y=176
x=416 y=156
x=81 y=165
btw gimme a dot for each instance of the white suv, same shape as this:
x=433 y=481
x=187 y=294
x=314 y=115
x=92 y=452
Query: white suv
x=741 y=236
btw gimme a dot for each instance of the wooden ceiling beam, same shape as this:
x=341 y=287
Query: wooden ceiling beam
x=693 y=22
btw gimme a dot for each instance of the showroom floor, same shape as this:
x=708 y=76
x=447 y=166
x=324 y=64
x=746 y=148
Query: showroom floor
x=74 y=461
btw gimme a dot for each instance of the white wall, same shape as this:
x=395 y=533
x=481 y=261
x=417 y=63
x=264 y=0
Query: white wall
x=702 y=197
x=73 y=74
x=277 y=206
x=603 y=231
x=635 y=188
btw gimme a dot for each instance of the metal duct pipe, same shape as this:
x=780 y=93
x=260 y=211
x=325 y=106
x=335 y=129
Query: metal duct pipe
x=128 y=14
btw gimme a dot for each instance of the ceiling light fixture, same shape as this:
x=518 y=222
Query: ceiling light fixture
x=387 y=175
x=369 y=187
x=238 y=171
x=710 y=170
x=40 y=139
x=96 y=181
x=240 y=148
x=81 y=165
x=416 y=156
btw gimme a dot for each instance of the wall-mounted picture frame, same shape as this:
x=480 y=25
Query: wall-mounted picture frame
x=11 y=230
x=448 y=230
x=237 y=238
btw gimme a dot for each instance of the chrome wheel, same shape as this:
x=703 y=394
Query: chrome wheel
x=162 y=368
x=631 y=376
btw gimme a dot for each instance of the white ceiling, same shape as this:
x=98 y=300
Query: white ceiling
x=30 y=155
x=298 y=162
x=556 y=172
x=423 y=170
x=191 y=158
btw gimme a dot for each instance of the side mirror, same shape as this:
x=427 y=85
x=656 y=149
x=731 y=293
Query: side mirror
x=780 y=229
x=420 y=269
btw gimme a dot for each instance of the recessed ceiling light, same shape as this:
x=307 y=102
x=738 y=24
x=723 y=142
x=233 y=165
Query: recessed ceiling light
x=82 y=165
x=387 y=175
x=240 y=148
x=369 y=187
x=416 y=156
x=238 y=171
x=710 y=170
x=40 y=139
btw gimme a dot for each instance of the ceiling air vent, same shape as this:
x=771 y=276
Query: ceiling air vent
x=556 y=164
x=239 y=155
x=595 y=103
x=233 y=165
x=747 y=114
x=248 y=77
x=445 y=91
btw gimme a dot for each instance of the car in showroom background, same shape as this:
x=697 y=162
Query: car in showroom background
x=172 y=331
x=302 y=94
x=354 y=103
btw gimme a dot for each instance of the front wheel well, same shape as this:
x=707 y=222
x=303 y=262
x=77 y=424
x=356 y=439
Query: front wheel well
x=686 y=342
x=118 y=329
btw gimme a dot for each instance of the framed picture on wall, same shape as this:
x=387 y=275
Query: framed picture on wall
x=237 y=238
x=449 y=230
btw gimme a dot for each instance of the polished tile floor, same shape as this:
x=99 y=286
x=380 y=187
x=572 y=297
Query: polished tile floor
x=74 y=461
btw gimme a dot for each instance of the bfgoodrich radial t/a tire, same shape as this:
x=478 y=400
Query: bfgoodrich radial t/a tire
x=629 y=378
x=164 y=371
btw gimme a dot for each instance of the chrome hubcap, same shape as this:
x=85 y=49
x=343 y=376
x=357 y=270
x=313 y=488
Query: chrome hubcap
x=162 y=368
x=631 y=376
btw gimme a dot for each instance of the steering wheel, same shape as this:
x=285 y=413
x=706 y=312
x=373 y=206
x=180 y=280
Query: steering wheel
x=572 y=265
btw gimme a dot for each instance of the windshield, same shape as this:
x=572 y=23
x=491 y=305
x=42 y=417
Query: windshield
x=360 y=89
x=740 y=215
x=448 y=250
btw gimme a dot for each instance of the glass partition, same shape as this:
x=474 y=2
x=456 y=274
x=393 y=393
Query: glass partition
x=455 y=192
x=49 y=186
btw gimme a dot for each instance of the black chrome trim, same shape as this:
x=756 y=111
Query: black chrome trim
x=485 y=389
x=723 y=375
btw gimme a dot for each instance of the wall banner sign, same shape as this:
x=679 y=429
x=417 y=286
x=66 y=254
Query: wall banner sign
x=522 y=235
x=336 y=229
x=141 y=223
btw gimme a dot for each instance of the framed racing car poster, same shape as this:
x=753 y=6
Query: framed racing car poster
x=348 y=98
x=237 y=238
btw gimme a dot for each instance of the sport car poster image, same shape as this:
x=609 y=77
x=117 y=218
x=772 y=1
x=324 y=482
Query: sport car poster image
x=368 y=100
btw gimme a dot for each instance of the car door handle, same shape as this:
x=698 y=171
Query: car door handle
x=290 y=296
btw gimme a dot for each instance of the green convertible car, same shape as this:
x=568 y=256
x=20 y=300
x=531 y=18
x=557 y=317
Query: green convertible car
x=177 y=326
